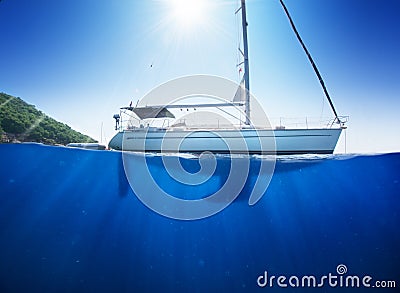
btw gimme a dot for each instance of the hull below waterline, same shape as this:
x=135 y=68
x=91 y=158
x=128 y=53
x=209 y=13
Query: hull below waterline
x=244 y=141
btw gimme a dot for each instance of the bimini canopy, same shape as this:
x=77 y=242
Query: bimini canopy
x=150 y=112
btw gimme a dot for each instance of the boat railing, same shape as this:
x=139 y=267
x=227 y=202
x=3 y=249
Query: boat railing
x=307 y=122
x=276 y=123
x=129 y=121
x=342 y=120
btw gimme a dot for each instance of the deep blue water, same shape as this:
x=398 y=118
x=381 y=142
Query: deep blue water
x=69 y=222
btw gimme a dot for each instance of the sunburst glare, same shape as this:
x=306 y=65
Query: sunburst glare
x=188 y=13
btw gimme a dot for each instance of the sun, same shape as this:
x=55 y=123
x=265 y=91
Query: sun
x=188 y=13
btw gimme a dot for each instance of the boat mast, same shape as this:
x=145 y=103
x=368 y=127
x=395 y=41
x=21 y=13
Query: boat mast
x=246 y=63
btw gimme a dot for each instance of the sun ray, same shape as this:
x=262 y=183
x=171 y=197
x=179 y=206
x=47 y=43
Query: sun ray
x=188 y=13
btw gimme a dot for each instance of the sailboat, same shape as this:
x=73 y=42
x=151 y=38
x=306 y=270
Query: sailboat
x=244 y=139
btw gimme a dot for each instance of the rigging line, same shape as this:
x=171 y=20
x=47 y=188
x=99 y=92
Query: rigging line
x=239 y=40
x=232 y=115
x=321 y=81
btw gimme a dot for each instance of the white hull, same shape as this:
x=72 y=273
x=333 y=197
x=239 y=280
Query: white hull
x=260 y=141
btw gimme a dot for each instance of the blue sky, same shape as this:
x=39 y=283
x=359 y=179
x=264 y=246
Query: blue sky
x=80 y=60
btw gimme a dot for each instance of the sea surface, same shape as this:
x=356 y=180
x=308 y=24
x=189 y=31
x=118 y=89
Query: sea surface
x=70 y=222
